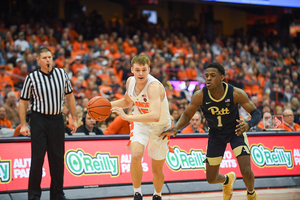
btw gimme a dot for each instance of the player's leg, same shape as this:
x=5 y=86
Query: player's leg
x=158 y=175
x=213 y=175
x=136 y=170
x=245 y=167
x=215 y=151
x=157 y=150
x=214 y=155
x=139 y=139
x=241 y=150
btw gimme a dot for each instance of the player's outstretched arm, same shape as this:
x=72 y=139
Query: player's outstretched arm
x=186 y=116
x=241 y=97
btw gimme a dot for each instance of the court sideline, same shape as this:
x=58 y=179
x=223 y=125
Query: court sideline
x=263 y=194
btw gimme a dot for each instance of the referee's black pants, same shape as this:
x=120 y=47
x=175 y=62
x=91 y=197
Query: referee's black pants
x=47 y=134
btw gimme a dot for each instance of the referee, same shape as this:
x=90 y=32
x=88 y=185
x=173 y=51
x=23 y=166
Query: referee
x=46 y=89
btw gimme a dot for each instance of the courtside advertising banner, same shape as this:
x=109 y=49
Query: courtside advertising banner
x=104 y=162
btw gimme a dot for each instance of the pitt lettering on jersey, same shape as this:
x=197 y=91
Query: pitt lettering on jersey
x=142 y=104
x=216 y=111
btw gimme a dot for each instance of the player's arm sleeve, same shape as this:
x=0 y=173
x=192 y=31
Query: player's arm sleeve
x=255 y=118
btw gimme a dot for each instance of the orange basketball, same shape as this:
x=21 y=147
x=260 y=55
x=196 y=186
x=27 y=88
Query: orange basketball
x=98 y=108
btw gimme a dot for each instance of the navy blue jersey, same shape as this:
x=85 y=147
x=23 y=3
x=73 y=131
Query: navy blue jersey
x=221 y=115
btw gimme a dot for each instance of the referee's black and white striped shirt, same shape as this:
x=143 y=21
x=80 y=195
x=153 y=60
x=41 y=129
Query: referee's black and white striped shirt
x=46 y=91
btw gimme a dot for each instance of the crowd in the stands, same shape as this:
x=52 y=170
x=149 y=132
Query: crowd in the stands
x=96 y=55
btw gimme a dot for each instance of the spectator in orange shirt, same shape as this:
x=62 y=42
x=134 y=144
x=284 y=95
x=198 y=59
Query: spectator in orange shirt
x=194 y=126
x=104 y=89
x=128 y=49
x=5 y=79
x=11 y=108
x=4 y=122
x=17 y=67
x=19 y=79
x=18 y=128
x=288 y=118
x=265 y=122
x=117 y=126
x=80 y=46
x=60 y=60
x=104 y=72
x=191 y=71
x=114 y=53
x=94 y=63
x=78 y=66
x=91 y=86
x=71 y=32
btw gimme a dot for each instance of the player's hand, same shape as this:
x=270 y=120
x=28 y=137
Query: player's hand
x=168 y=133
x=25 y=130
x=73 y=126
x=119 y=111
x=242 y=127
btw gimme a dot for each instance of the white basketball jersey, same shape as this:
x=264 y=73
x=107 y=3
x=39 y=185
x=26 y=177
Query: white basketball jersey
x=141 y=102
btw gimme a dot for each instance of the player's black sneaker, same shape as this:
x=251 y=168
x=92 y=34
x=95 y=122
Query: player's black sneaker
x=156 y=197
x=138 y=196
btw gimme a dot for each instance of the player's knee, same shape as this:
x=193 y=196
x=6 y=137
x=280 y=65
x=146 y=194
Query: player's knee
x=157 y=171
x=136 y=157
x=247 y=173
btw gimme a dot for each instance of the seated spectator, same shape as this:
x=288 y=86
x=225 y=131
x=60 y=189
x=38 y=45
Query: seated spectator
x=80 y=46
x=78 y=66
x=18 y=128
x=175 y=115
x=289 y=124
x=4 y=122
x=278 y=110
x=12 y=110
x=5 y=79
x=89 y=125
x=277 y=95
x=265 y=122
x=194 y=126
x=117 y=126
x=19 y=78
x=104 y=89
x=60 y=60
x=185 y=93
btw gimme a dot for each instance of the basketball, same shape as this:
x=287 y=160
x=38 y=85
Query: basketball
x=98 y=108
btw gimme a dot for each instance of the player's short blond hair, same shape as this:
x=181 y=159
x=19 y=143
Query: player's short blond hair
x=141 y=59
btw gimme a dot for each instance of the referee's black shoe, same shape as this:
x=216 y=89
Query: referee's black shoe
x=138 y=196
x=63 y=198
x=156 y=197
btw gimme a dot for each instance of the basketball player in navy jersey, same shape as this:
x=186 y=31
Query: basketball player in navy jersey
x=219 y=104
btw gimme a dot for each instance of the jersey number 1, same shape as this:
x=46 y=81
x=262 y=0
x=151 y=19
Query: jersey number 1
x=219 y=121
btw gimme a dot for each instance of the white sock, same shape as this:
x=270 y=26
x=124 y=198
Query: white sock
x=157 y=193
x=250 y=192
x=139 y=190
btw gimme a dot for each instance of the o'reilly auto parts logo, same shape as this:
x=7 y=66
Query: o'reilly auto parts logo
x=80 y=163
x=5 y=171
x=263 y=156
x=181 y=160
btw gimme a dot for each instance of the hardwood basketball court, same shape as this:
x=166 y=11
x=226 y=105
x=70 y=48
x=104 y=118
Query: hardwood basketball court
x=263 y=194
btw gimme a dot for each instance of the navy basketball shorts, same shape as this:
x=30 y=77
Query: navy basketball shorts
x=217 y=144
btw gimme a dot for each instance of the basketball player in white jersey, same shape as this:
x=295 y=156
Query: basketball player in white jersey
x=151 y=117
